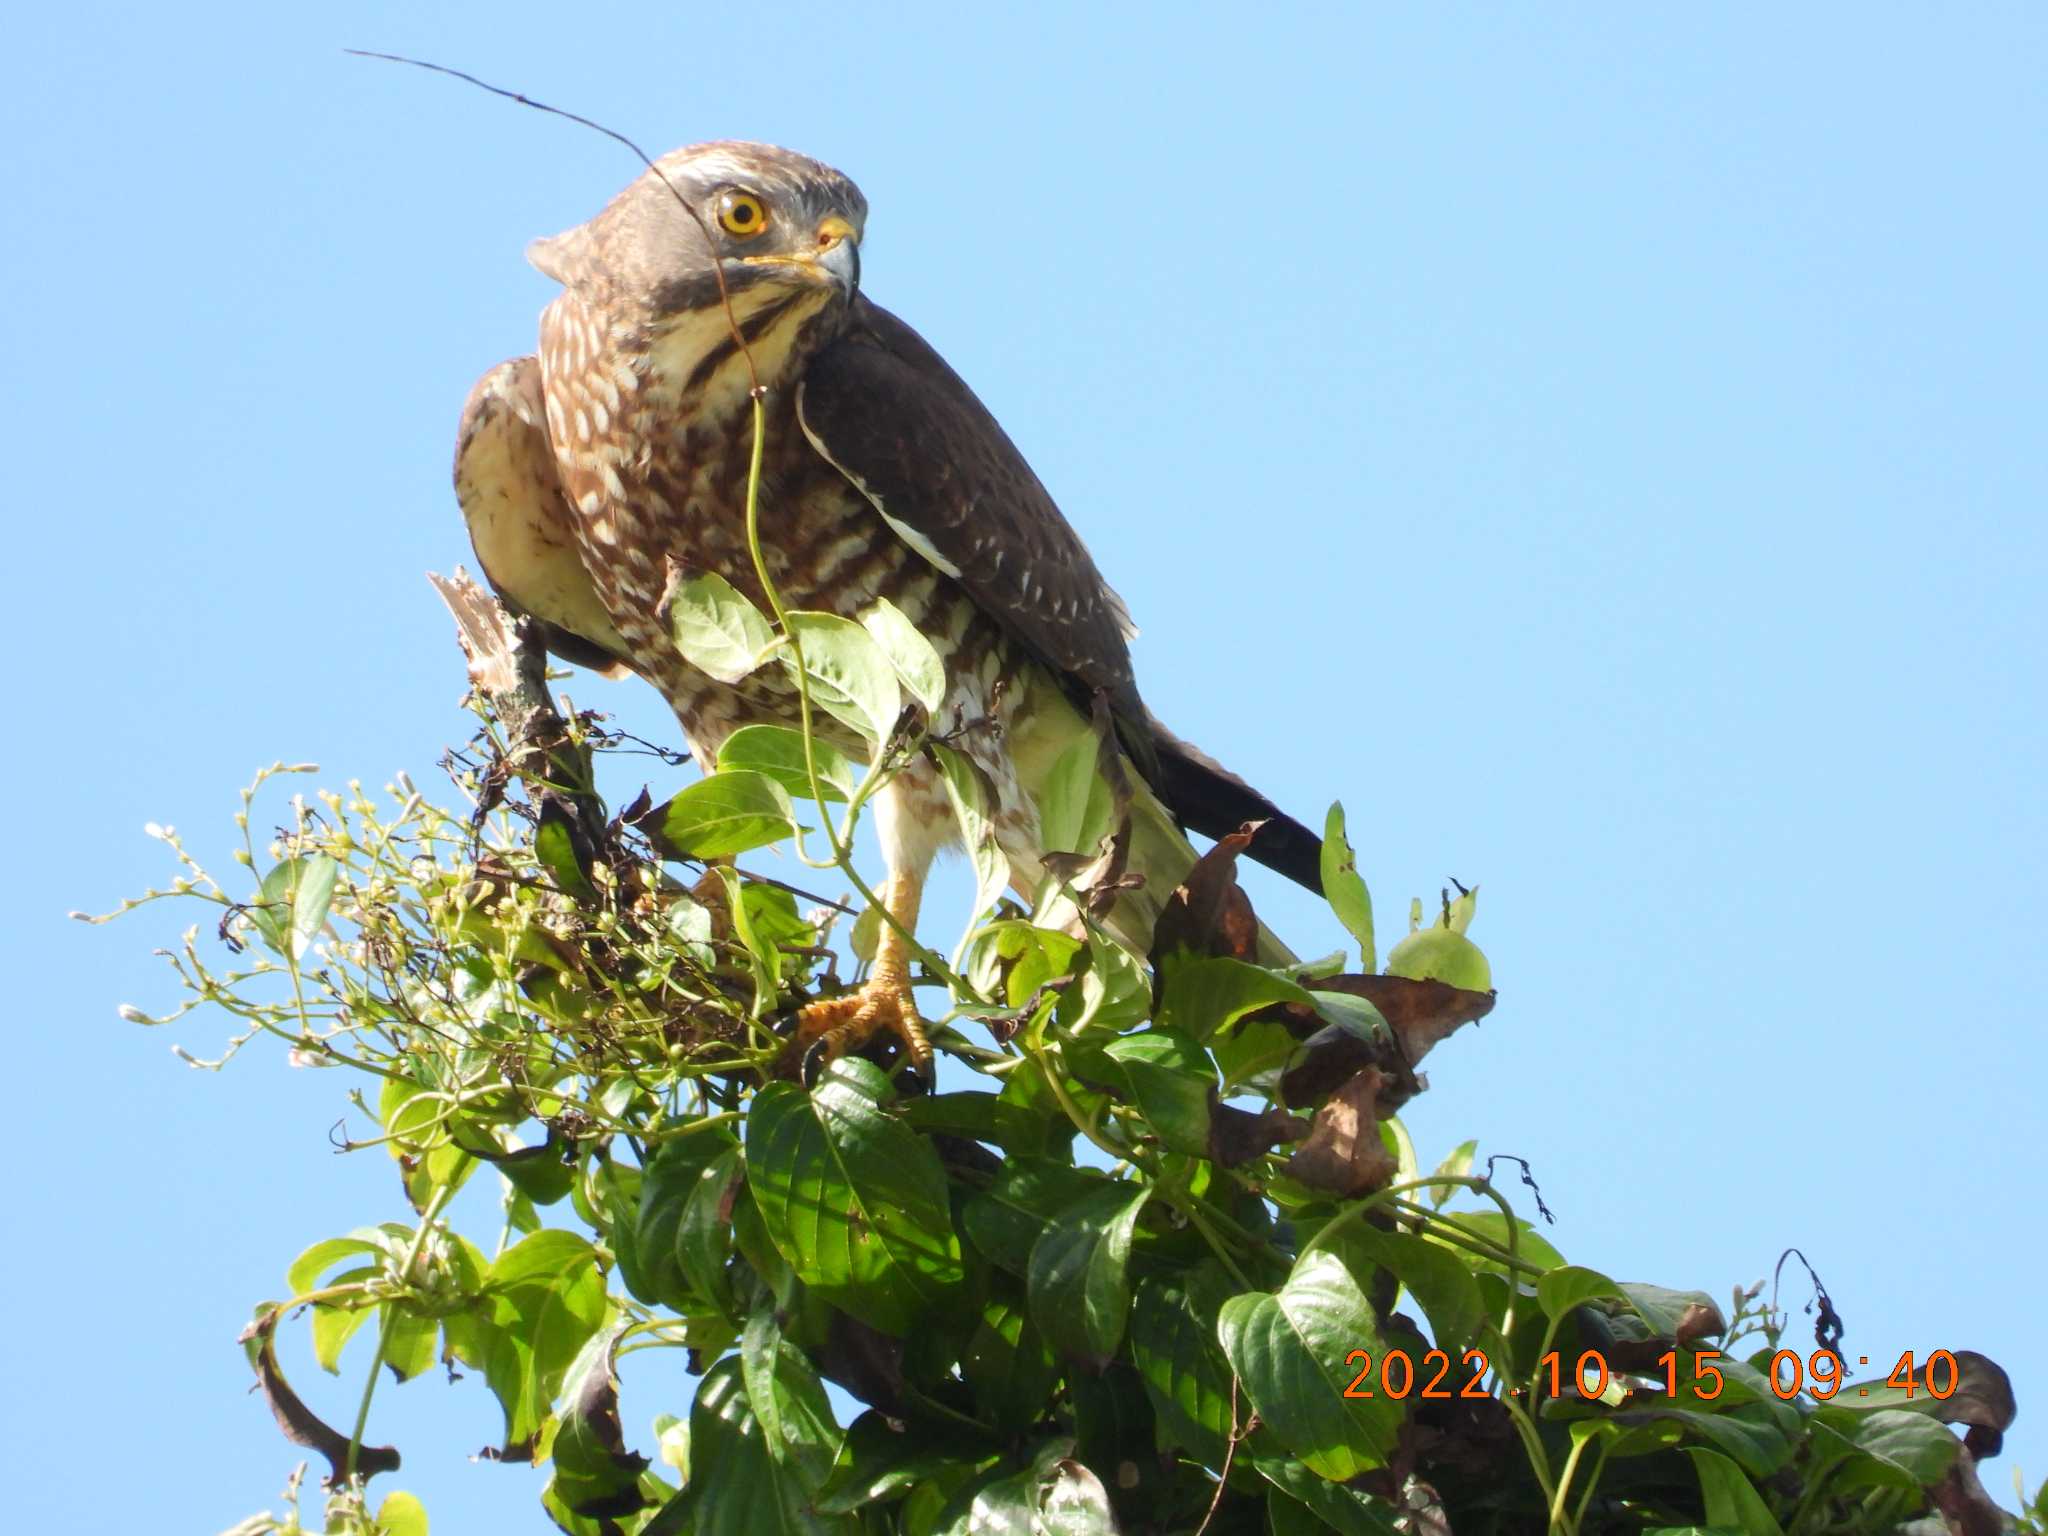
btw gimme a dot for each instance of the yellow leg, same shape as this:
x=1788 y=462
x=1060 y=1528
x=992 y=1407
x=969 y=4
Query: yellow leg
x=835 y=1025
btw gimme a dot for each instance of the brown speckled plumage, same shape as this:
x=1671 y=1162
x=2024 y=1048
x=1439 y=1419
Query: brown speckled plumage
x=883 y=476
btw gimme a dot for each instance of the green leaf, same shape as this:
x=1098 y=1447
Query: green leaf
x=777 y=752
x=1893 y=1447
x=1289 y=1349
x=717 y=629
x=788 y=1400
x=664 y=1264
x=851 y=676
x=1457 y=1166
x=310 y=1265
x=1731 y=1500
x=1747 y=1435
x=1530 y=1245
x=979 y=1116
x=1329 y=1506
x=728 y=813
x=292 y=903
x=1207 y=995
x=1173 y=1344
x=333 y=1327
x=1079 y=1279
x=1440 y=1283
x=401 y=1514
x=1169 y=1078
x=967 y=789
x=409 y=1340
x=917 y=664
x=1572 y=1286
x=885 y=1458
x=1076 y=808
x=1344 y=890
x=1006 y=1220
x=853 y=1198
x=546 y=1297
x=1009 y=1367
x=555 y=846
x=736 y=1485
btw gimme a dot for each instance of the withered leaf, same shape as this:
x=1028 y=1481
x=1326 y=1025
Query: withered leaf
x=1343 y=1152
x=1239 y=1135
x=1420 y=1012
x=1207 y=914
x=299 y=1423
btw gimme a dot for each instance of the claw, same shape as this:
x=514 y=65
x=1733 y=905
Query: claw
x=829 y=1028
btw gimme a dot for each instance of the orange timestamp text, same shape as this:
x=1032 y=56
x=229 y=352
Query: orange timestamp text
x=1822 y=1375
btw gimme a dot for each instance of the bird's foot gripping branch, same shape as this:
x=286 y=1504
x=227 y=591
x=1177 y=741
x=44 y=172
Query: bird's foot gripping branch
x=1155 y=1256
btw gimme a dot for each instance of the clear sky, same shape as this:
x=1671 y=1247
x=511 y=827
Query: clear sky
x=1606 y=446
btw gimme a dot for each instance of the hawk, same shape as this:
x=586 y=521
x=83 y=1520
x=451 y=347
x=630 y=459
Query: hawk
x=619 y=451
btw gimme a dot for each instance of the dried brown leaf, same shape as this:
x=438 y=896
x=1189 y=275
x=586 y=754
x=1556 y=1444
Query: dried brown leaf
x=1343 y=1153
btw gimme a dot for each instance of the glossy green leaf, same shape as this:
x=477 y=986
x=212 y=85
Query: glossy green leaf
x=885 y=1459
x=777 y=752
x=979 y=1116
x=315 y=1261
x=293 y=902
x=736 y=1486
x=728 y=813
x=718 y=630
x=1344 y=889
x=1079 y=1275
x=917 y=664
x=788 y=1400
x=1730 y=1498
x=1289 y=1347
x=1309 y=1505
x=1006 y=1220
x=1562 y=1289
x=409 y=1340
x=1008 y=1366
x=1747 y=1435
x=1175 y=1348
x=1440 y=1283
x=555 y=846
x=851 y=676
x=1892 y=1447
x=546 y=1298
x=1530 y=1245
x=1170 y=1079
x=1458 y=1165
x=1076 y=808
x=1207 y=995
x=967 y=789
x=853 y=1198
x=666 y=1265
x=333 y=1327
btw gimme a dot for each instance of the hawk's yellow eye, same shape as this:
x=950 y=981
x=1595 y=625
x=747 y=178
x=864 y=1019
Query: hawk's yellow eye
x=741 y=214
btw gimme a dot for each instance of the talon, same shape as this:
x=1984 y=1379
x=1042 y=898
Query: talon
x=828 y=1029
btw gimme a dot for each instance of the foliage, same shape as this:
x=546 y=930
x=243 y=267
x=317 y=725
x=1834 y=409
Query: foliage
x=1080 y=1289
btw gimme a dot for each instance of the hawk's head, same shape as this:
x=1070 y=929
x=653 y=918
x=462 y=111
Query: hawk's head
x=783 y=230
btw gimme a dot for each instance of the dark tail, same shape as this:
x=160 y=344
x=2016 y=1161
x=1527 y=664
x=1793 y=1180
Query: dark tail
x=1211 y=800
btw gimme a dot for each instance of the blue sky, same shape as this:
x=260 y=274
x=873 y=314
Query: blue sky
x=1603 y=445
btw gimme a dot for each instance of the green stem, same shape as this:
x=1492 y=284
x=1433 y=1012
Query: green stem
x=412 y=1255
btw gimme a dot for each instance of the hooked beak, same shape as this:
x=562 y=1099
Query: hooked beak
x=839 y=252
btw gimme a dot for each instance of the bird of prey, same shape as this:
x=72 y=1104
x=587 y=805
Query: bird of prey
x=618 y=452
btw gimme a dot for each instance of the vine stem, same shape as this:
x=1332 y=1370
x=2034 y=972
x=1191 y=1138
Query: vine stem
x=842 y=850
x=412 y=1256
